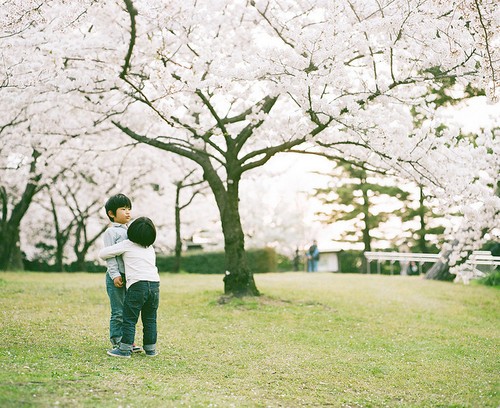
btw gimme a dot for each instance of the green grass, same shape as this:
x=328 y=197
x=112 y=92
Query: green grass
x=316 y=340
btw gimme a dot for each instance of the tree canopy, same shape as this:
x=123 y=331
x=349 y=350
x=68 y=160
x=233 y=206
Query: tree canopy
x=229 y=84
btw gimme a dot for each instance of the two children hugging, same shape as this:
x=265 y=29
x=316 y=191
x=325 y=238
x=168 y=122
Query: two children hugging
x=132 y=279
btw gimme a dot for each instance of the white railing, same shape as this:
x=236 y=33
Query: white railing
x=475 y=259
x=405 y=257
x=482 y=258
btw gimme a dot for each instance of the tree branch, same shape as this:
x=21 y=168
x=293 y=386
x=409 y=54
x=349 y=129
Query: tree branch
x=487 y=45
x=198 y=156
x=264 y=16
x=267 y=104
x=267 y=154
x=132 y=12
x=220 y=122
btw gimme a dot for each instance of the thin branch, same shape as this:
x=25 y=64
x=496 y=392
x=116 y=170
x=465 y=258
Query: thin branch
x=14 y=122
x=340 y=158
x=372 y=53
x=266 y=105
x=197 y=155
x=267 y=154
x=220 y=122
x=205 y=137
x=487 y=45
x=264 y=16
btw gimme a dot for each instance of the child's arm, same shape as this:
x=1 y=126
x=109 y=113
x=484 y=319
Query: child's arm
x=113 y=269
x=114 y=250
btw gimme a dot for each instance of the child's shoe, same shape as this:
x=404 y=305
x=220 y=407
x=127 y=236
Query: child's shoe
x=116 y=352
x=151 y=353
x=136 y=349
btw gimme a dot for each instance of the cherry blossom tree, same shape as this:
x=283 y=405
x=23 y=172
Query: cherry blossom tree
x=42 y=124
x=35 y=133
x=13 y=210
x=230 y=84
x=71 y=211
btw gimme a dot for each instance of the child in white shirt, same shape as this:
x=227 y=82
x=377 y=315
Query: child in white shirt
x=143 y=286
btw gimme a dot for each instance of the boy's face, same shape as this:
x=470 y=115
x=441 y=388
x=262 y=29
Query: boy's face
x=122 y=215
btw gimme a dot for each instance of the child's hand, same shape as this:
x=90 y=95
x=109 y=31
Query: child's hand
x=118 y=282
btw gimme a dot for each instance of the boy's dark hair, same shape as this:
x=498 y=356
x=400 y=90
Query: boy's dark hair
x=142 y=231
x=115 y=202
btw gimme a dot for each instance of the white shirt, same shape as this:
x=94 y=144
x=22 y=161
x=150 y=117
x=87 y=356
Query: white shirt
x=140 y=262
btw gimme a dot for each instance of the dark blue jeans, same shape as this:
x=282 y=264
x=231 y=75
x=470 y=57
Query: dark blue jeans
x=312 y=265
x=116 y=301
x=142 y=298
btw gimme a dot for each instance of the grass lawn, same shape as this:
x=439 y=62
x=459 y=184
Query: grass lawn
x=318 y=340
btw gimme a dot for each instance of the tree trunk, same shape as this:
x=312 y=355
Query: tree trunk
x=80 y=248
x=422 y=243
x=61 y=237
x=80 y=256
x=178 y=242
x=9 y=229
x=10 y=252
x=80 y=263
x=367 y=244
x=238 y=279
x=439 y=270
x=16 y=257
x=59 y=255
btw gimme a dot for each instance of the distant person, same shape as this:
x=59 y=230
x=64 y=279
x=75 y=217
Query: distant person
x=118 y=209
x=312 y=257
x=143 y=286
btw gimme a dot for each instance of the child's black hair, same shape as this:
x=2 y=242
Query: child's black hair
x=142 y=231
x=115 y=202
